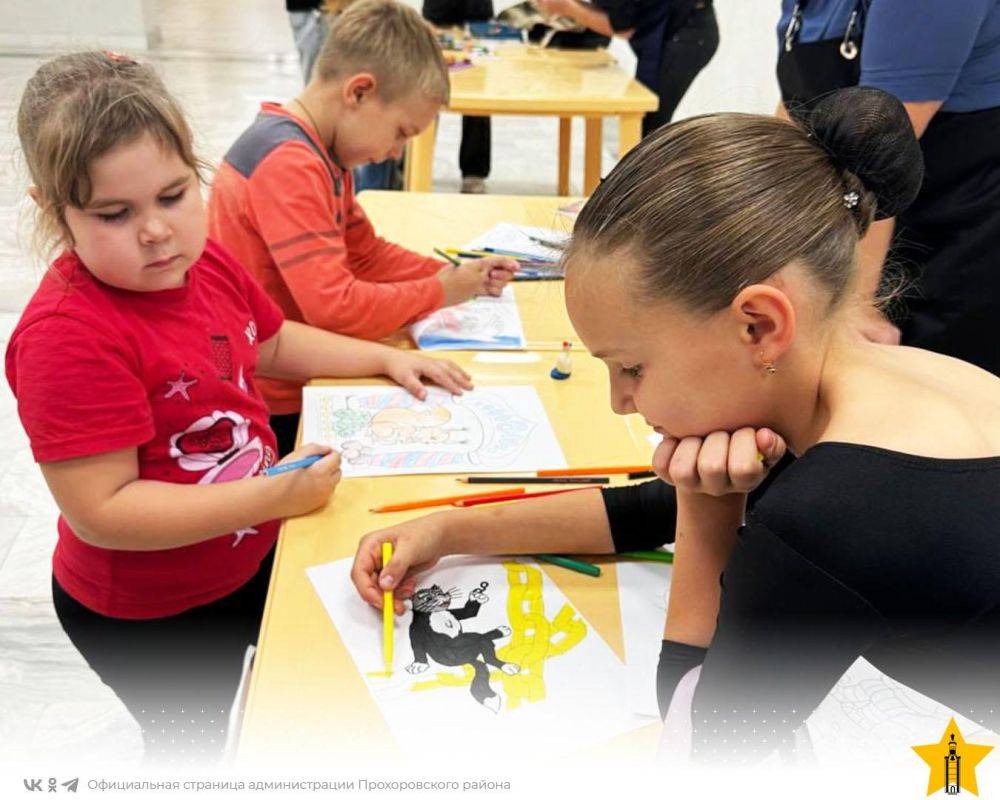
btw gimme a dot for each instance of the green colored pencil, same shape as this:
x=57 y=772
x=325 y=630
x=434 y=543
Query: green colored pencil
x=449 y=258
x=649 y=555
x=571 y=563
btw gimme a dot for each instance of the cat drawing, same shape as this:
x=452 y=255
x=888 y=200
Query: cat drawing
x=436 y=631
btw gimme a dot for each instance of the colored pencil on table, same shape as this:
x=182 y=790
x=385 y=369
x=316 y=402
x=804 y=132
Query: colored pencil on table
x=570 y=563
x=513 y=495
x=442 y=501
x=534 y=479
x=645 y=473
x=649 y=555
x=559 y=473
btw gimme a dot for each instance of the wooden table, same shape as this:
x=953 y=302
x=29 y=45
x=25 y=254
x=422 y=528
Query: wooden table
x=423 y=221
x=526 y=80
x=306 y=696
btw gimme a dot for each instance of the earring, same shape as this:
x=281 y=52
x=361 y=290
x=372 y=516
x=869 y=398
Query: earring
x=769 y=367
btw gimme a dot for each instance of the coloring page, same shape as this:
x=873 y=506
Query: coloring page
x=382 y=430
x=491 y=658
x=643 y=590
x=483 y=323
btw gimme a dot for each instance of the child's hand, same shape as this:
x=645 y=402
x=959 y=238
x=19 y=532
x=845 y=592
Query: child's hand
x=416 y=546
x=720 y=463
x=471 y=278
x=307 y=489
x=501 y=272
x=408 y=368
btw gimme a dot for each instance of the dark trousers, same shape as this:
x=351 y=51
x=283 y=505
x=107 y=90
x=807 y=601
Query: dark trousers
x=474 y=153
x=286 y=429
x=686 y=52
x=176 y=675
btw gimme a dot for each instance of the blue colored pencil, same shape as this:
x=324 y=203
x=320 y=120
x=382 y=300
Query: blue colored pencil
x=302 y=463
x=525 y=256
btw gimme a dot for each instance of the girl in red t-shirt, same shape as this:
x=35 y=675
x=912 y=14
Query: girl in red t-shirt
x=134 y=367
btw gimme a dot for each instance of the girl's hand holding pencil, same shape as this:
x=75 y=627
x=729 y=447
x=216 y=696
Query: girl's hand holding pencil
x=416 y=547
x=308 y=488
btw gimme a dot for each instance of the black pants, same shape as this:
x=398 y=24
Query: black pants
x=176 y=675
x=286 y=428
x=474 y=153
x=686 y=52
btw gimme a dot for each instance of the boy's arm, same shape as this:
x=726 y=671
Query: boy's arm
x=295 y=211
x=374 y=259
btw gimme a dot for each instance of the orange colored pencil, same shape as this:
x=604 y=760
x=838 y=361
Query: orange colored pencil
x=467 y=503
x=443 y=501
x=552 y=473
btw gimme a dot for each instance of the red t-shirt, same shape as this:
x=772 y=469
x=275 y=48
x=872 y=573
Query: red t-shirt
x=97 y=369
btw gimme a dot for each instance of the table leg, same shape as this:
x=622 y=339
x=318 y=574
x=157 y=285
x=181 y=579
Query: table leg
x=420 y=160
x=592 y=155
x=629 y=132
x=565 y=139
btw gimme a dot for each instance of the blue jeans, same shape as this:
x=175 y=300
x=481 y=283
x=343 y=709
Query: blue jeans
x=376 y=176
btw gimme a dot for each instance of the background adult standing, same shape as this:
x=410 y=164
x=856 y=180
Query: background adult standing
x=474 y=153
x=673 y=41
x=942 y=59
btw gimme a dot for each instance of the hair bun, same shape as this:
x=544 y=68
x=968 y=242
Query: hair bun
x=868 y=132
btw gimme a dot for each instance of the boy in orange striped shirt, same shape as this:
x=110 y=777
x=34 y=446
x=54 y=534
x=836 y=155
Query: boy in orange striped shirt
x=283 y=199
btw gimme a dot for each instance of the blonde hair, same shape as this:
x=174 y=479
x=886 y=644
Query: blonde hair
x=712 y=204
x=79 y=106
x=393 y=43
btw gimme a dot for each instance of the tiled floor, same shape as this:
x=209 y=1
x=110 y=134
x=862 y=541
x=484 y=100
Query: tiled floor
x=222 y=61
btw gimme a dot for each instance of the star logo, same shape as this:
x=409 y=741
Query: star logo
x=179 y=386
x=952 y=761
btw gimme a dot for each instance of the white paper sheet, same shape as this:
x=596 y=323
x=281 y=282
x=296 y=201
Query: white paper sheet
x=568 y=690
x=522 y=239
x=483 y=323
x=383 y=430
x=643 y=588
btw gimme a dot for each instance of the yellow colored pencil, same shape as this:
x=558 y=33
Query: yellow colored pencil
x=387 y=611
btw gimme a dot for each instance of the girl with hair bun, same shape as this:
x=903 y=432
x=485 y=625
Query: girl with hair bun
x=714 y=272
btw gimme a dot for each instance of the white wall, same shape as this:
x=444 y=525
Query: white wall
x=741 y=76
